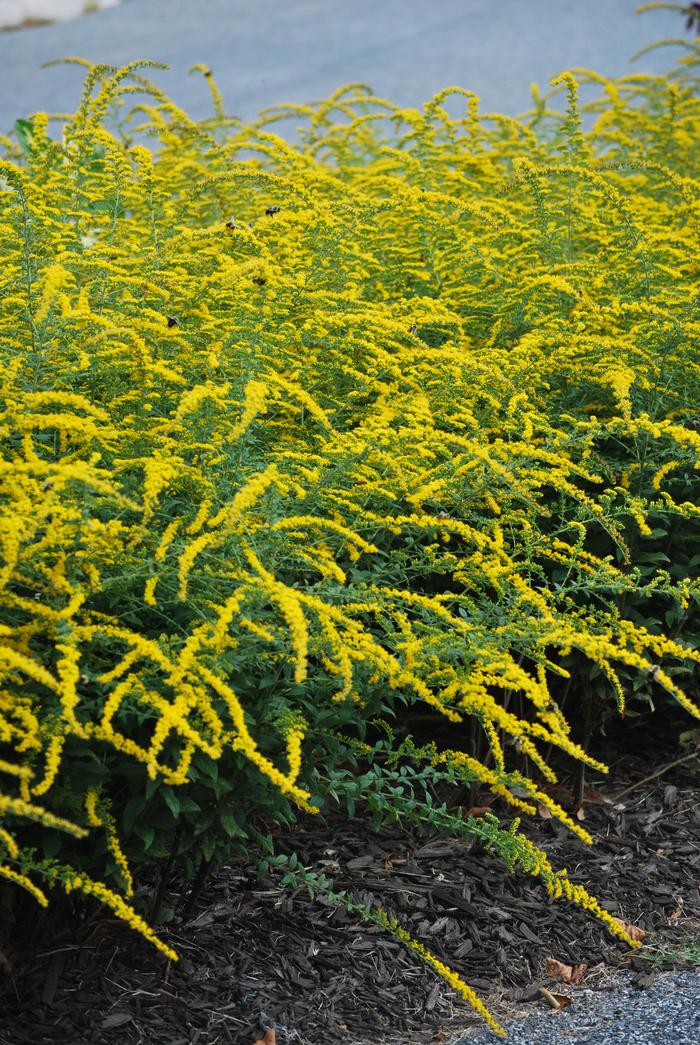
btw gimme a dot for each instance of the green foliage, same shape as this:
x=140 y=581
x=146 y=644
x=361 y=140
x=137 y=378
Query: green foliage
x=401 y=419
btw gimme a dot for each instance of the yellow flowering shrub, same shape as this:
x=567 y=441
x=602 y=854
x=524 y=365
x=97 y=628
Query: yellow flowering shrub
x=295 y=436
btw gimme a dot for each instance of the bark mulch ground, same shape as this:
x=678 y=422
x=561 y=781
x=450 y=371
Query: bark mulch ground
x=255 y=956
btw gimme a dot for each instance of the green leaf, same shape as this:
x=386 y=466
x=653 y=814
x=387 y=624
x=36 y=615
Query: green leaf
x=132 y=811
x=172 y=800
x=24 y=131
x=208 y=847
x=188 y=804
x=229 y=823
x=146 y=833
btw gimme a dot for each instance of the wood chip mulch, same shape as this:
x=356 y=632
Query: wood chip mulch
x=255 y=956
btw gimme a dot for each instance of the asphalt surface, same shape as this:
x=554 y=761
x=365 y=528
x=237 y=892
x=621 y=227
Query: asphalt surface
x=667 y=1013
x=264 y=52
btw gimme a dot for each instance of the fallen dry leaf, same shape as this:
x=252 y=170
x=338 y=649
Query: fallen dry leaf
x=557 y=970
x=543 y=811
x=561 y=795
x=477 y=810
x=268 y=1038
x=555 y=1001
x=677 y=914
x=394 y=860
x=481 y=800
x=105 y=927
x=595 y=797
x=580 y=813
x=633 y=931
x=579 y=972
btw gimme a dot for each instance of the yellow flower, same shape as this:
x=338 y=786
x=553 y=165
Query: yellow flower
x=120 y=908
x=289 y=605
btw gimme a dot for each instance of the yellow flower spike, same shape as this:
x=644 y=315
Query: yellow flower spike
x=53 y=762
x=254 y=404
x=32 y=811
x=149 y=592
x=444 y=971
x=494 y=744
x=289 y=606
x=245 y=499
x=314 y=522
x=68 y=670
x=22 y=772
x=9 y=844
x=119 y=858
x=121 y=909
x=104 y=819
x=25 y=883
x=16 y=660
x=200 y=518
x=300 y=396
x=294 y=738
x=167 y=539
x=55 y=278
x=91 y=797
x=245 y=743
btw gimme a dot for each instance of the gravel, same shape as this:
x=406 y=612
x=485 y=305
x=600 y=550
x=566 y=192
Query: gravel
x=667 y=1013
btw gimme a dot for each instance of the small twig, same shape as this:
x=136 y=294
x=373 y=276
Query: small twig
x=658 y=773
x=551 y=999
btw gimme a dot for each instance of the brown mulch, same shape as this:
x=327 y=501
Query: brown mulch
x=254 y=955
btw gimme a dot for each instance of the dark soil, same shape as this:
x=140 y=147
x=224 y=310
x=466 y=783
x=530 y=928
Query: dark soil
x=254 y=955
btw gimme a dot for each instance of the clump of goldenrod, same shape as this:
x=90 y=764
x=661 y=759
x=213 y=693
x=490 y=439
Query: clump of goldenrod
x=293 y=436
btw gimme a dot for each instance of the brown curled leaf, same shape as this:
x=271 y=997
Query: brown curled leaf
x=555 y=1001
x=633 y=931
x=557 y=970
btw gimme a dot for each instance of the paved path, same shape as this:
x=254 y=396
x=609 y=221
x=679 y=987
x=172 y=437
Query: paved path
x=666 y=1014
x=18 y=12
x=268 y=51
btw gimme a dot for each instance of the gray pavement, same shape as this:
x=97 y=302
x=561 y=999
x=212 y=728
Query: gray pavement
x=264 y=52
x=668 y=1013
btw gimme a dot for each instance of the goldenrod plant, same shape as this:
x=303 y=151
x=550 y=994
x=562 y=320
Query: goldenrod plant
x=298 y=435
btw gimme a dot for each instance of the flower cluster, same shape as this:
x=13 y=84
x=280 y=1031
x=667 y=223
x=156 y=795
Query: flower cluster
x=292 y=436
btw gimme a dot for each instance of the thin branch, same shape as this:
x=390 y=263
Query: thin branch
x=658 y=773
